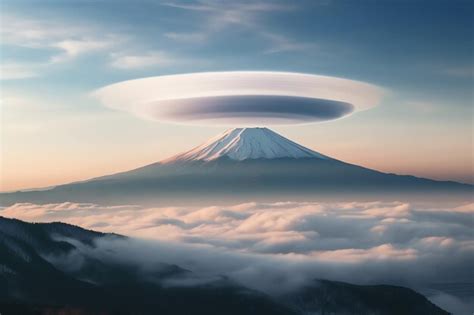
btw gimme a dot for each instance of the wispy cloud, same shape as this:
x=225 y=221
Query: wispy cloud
x=64 y=41
x=223 y=13
x=14 y=71
x=220 y=15
x=138 y=61
x=71 y=39
x=279 y=43
x=74 y=48
x=34 y=33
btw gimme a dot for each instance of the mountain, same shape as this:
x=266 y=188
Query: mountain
x=31 y=282
x=242 y=164
x=34 y=281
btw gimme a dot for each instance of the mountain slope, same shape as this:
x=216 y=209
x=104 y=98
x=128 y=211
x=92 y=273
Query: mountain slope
x=333 y=297
x=246 y=143
x=242 y=164
x=32 y=284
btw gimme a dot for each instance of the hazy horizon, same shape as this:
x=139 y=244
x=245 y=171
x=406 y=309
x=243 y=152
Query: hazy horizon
x=118 y=165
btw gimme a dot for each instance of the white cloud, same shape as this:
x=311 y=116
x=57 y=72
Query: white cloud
x=140 y=61
x=328 y=231
x=74 y=48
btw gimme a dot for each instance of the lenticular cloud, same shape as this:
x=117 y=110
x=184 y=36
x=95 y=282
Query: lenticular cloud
x=243 y=98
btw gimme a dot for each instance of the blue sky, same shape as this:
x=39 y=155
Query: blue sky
x=54 y=53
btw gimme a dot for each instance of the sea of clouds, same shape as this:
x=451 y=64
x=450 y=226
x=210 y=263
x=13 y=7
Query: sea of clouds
x=276 y=247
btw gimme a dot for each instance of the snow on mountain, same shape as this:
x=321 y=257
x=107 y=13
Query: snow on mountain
x=247 y=143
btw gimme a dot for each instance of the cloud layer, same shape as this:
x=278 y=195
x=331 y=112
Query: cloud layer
x=241 y=97
x=288 y=243
x=334 y=233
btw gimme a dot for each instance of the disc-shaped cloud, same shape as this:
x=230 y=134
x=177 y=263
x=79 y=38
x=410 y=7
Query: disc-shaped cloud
x=240 y=97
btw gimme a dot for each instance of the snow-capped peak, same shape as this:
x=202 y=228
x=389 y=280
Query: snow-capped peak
x=247 y=143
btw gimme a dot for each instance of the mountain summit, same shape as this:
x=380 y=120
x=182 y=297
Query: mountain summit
x=246 y=143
